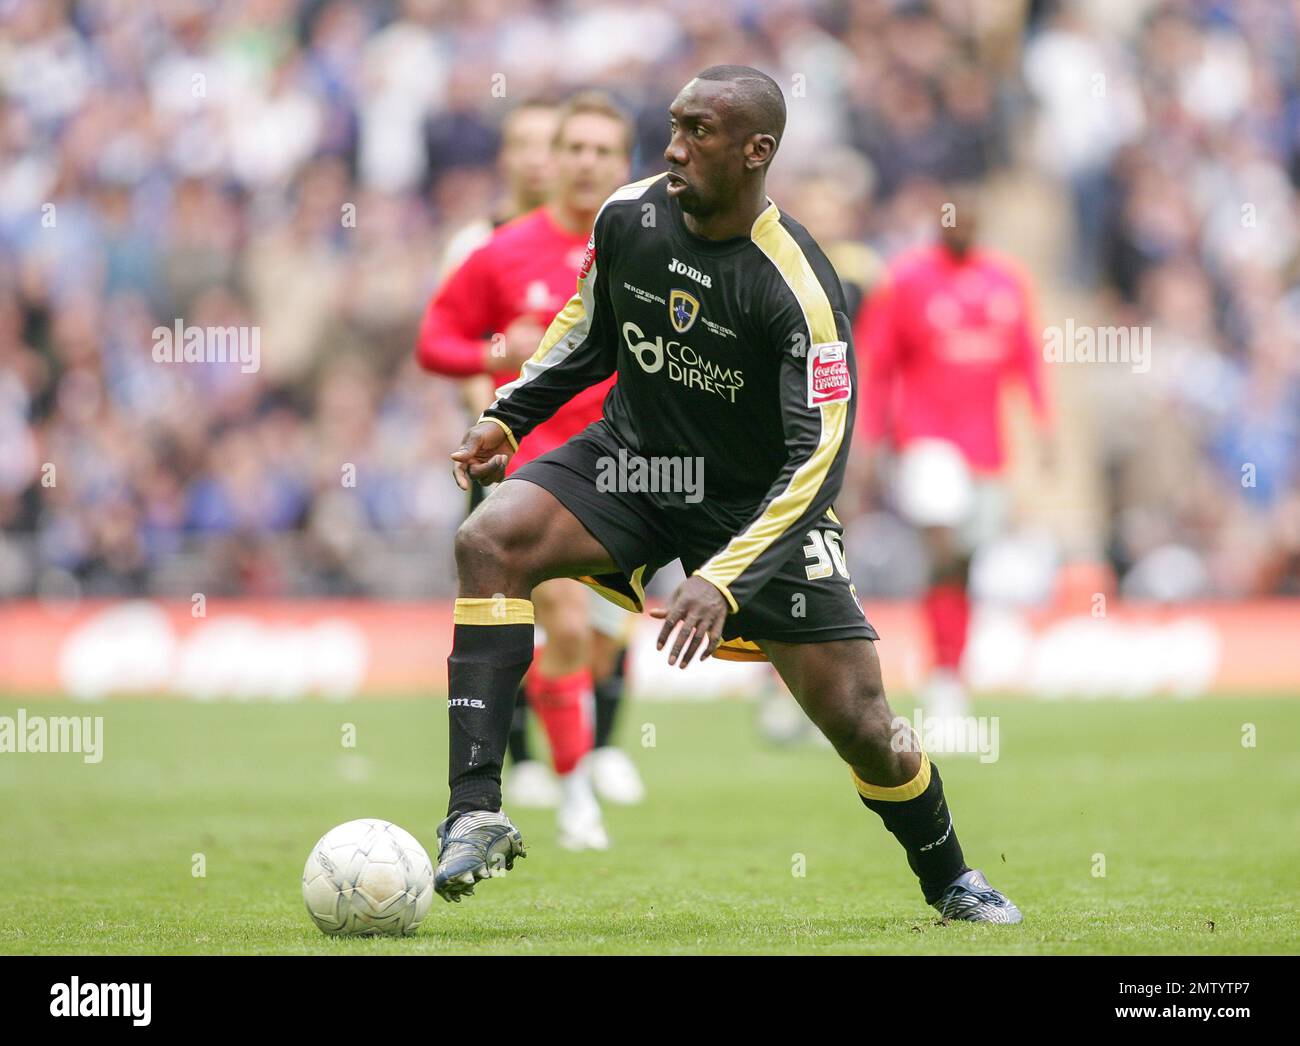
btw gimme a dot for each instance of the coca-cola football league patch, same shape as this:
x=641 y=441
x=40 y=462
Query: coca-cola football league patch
x=828 y=374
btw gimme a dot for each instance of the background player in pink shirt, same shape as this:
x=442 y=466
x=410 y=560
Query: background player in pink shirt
x=950 y=325
x=488 y=318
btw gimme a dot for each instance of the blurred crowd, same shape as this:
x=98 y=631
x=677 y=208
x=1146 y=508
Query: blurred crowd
x=298 y=168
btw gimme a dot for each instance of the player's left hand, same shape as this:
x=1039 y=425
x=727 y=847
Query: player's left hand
x=700 y=609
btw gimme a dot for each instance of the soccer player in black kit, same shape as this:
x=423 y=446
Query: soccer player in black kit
x=728 y=330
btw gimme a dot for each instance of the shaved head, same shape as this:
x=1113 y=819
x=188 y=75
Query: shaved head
x=755 y=99
x=725 y=127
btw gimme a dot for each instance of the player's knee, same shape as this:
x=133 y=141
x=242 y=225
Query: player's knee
x=474 y=543
x=491 y=546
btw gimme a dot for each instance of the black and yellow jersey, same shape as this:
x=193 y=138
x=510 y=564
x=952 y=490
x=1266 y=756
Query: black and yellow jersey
x=737 y=353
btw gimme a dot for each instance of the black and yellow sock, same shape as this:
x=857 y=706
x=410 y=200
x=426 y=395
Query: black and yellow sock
x=917 y=814
x=492 y=647
x=609 y=695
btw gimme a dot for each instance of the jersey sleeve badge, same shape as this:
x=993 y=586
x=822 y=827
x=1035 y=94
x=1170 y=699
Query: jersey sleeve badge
x=828 y=374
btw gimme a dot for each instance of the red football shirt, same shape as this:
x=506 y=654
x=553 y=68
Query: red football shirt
x=529 y=267
x=940 y=337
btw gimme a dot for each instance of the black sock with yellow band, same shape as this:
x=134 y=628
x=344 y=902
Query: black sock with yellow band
x=492 y=647
x=917 y=814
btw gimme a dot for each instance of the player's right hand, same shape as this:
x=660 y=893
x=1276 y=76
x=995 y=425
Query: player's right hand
x=482 y=455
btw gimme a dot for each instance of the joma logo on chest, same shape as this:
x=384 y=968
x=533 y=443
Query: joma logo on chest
x=682 y=268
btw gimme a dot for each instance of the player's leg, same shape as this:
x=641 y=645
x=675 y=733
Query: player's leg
x=559 y=688
x=519 y=537
x=838 y=684
x=808 y=622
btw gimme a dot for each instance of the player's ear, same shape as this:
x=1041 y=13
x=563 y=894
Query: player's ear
x=759 y=150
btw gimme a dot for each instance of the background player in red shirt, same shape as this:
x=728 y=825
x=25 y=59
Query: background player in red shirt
x=488 y=318
x=950 y=325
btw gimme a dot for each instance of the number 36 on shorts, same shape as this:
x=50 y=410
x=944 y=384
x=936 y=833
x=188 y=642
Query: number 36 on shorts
x=825 y=552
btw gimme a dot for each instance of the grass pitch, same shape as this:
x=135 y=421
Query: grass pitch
x=1197 y=835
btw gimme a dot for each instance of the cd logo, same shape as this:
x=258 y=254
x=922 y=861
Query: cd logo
x=650 y=354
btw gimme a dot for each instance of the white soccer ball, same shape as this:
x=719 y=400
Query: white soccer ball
x=367 y=878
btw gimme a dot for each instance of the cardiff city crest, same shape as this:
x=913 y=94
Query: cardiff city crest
x=682 y=310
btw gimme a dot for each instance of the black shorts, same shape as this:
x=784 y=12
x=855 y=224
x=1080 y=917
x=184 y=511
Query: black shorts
x=810 y=599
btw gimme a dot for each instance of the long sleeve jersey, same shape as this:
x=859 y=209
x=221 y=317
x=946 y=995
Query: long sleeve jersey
x=737 y=352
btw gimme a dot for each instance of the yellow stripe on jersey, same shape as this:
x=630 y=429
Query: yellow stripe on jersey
x=775 y=241
x=573 y=314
